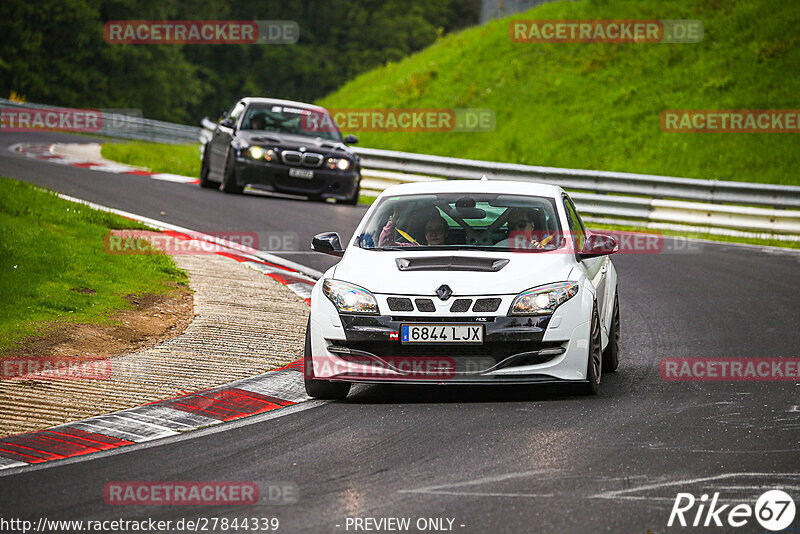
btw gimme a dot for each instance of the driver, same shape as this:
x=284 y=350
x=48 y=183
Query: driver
x=257 y=122
x=521 y=231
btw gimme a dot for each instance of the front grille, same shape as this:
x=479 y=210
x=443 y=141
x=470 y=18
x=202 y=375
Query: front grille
x=439 y=319
x=460 y=305
x=307 y=159
x=486 y=305
x=425 y=305
x=399 y=304
x=292 y=157
x=312 y=159
x=498 y=351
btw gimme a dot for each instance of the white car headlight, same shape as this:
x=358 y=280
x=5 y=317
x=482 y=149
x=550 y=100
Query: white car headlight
x=543 y=300
x=349 y=297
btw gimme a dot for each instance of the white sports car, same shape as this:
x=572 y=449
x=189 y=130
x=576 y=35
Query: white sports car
x=464 y=282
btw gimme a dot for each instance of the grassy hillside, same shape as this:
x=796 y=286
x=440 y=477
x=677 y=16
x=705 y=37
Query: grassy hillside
x=597 y=106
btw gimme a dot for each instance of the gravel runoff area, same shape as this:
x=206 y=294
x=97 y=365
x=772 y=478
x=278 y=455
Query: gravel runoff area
x=244 y=323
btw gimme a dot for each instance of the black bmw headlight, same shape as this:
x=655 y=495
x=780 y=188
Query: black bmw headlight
x=258 y=153
x=341 y=164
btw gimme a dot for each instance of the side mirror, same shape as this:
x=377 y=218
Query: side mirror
x=350 y=140
x=226 y=123
x=598 y=245
x=327 y=243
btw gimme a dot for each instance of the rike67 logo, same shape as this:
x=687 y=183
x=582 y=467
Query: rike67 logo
x=774 y=510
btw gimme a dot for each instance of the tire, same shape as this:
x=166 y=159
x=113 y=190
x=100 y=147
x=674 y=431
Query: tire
x=204 y=170
x=594 y=362
x=611 y=354
x=320 y=389
x=229 y=184
x=352 y=201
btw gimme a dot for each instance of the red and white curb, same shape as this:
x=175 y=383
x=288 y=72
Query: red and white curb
x=269 y=391
x=44 y=151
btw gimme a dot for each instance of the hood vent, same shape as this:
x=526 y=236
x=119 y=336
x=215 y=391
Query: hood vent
x=265 y=139
x=451 y=263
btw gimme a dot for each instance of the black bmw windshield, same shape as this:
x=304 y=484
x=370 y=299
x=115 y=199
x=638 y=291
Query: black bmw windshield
x=291 y=120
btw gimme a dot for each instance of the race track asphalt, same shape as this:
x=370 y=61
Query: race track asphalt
x=515 y=459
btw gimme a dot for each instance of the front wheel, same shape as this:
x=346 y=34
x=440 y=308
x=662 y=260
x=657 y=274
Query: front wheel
x=611 y=354
x=353 y=200
x=204 y=170
x=320 y=389
x=594 y=364
x=229 y=184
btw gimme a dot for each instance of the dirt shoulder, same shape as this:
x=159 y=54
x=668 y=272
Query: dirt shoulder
x=235 y=323
x=152 y=319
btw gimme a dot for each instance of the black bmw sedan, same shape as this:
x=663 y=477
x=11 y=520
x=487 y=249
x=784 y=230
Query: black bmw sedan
x=281 y=146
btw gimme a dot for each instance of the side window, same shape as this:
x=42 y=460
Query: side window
x=575 y=225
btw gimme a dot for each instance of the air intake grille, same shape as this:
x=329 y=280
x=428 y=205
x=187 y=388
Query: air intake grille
x=312 y=159
x=486 y=305
x=292 y=157
x=399 y=304
x=425 y=305
x=460 y=305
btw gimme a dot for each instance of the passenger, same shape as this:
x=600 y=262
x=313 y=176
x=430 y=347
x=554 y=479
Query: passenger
x=435 y=232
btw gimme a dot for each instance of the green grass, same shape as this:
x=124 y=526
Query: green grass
x=183 y=160
x=52 y=250
x=597 y=106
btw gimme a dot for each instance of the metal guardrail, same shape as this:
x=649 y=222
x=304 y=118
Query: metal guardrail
x=639 y=199
x=713 y=191
x=642 y=200
x=125 y=126
x=722 y=219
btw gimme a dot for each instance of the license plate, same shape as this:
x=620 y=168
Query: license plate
x=441 y=333
x=301 y=173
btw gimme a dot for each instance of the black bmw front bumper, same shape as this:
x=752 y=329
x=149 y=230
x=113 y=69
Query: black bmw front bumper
x=275 y=177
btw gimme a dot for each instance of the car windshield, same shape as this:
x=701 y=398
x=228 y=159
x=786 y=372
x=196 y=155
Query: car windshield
x=291 y=120
x=463 y=221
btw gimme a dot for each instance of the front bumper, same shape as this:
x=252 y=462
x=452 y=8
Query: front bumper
x=513 y=351
x=275 y=177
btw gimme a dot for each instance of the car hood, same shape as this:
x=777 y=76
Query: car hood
x=377 y=271
x=290 y=141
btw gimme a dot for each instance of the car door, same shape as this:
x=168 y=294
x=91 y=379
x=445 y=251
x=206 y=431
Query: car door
x=595 y=268
x=221 y=142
